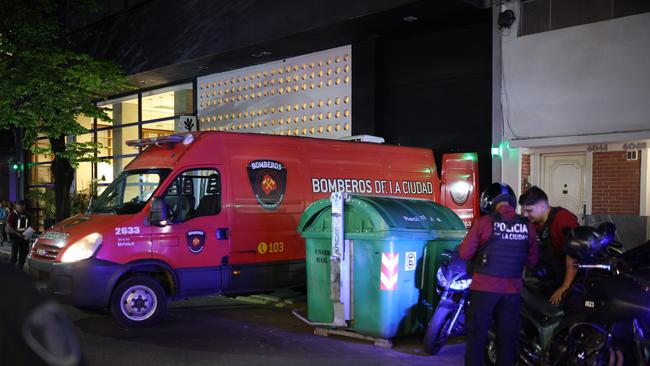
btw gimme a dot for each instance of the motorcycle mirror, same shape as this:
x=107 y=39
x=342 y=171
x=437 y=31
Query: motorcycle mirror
x=607 y=230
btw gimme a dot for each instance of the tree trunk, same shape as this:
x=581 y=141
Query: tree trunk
x=63 y=176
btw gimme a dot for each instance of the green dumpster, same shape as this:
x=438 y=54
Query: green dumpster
x=389 y=274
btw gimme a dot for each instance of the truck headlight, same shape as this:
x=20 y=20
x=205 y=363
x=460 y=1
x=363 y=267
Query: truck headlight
x=82 y=248
x=460 y=191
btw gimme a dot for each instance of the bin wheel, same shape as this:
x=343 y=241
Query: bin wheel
x=138 y=301
x=436 y=334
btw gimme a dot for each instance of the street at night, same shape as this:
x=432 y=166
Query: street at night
x=296 y=182
x=224 y=331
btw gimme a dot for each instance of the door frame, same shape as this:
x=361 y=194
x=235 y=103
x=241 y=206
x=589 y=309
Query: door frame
x=537 y=156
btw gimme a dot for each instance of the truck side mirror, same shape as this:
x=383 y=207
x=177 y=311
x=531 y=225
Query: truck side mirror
x=158 y=214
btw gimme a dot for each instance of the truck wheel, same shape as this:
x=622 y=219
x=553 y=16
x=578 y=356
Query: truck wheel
x=138 y=301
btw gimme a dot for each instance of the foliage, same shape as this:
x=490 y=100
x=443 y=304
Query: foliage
x=45 y=83
x=44 y=200
x=79 y=201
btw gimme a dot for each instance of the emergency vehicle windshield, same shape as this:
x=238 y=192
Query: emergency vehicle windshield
x=129 y=192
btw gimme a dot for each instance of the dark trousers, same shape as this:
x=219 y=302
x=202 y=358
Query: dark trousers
x=19 y=249
x=483 y=308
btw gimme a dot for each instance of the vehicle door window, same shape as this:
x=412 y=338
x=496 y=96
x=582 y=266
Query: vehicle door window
x=193 y=194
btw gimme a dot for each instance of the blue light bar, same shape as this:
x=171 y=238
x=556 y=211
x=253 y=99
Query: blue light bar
x=173 y=139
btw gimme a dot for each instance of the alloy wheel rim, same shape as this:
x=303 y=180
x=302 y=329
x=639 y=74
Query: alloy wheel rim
x=138 y=303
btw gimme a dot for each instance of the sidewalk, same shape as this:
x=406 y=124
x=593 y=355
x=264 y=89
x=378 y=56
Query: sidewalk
x=5 y=252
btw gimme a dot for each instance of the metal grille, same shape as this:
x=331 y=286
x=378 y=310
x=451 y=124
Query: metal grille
x=44 y=251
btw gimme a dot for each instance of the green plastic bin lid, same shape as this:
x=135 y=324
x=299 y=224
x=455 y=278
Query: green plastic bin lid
x=368 y=217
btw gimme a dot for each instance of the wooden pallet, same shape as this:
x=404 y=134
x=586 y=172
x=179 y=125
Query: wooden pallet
x=378 y=342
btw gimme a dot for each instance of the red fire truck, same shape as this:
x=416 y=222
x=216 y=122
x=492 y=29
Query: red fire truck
x=214 y=212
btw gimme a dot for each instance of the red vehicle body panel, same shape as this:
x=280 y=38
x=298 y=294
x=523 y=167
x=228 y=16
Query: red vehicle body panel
x=460 y=172
x=245 y=233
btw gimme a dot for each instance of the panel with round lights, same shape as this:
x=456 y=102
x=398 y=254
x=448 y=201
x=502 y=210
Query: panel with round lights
x=311 y=93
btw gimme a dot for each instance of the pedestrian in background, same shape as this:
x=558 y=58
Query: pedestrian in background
x=18 y=224
x=498 y=245
x=4 y=212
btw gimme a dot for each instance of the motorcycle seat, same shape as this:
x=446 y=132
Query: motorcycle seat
x=539 y=304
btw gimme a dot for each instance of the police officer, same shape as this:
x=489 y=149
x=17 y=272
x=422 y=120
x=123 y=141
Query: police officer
x=498 y=246
x=17 y=223
x=551 y=224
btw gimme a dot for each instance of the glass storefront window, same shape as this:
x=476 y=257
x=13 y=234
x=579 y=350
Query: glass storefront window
x=41 y=174
x=121 y=136
x=42 y=158
x=84 y=176
x=157 y=129
x=159 y=111
x=106 y=171
x=167 y=102
x=105 y=140
x=122 y=111
x=86 y=122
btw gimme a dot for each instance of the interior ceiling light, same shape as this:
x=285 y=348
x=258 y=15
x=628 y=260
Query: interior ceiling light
x=410 y=18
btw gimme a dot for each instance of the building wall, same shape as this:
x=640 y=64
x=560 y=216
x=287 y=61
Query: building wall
x=437 y=99
x=615 y=184
x=525 y=171
x=580 y=84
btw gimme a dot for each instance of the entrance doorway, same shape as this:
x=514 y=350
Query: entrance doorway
x=564 y=180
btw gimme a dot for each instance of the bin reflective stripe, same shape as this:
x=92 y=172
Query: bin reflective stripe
x=389 y=271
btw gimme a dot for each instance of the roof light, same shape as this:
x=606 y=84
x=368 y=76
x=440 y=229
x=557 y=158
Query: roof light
x=188 y=139
x=172 y=139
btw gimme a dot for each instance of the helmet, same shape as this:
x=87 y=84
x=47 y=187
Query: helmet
x=586 y=244
x=495 y=193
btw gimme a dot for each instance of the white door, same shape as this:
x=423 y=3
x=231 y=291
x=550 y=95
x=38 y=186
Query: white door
x=564 y=178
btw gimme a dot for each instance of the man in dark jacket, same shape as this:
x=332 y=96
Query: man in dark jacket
x=17 y=222
x=499 y=246
x=551 y=224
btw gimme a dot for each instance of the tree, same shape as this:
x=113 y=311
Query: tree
x=46 y=83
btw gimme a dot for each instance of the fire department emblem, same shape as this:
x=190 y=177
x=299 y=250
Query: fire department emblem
x=268 y=180
x=196 y=241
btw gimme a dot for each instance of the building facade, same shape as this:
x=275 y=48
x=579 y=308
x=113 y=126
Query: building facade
x=576 y=119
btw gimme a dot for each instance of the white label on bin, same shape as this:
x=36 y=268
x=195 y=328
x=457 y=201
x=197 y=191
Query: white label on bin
x=410 y=261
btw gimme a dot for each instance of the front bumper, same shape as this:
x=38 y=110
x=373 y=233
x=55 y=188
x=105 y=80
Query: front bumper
x=85 y=283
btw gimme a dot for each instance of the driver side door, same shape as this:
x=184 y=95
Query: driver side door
x=195 y=241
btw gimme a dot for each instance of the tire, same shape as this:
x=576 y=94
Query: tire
x=491 y=350
x=436 y=334
x=138 y=301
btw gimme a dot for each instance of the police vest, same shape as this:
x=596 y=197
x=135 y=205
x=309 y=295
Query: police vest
x=22 y=222
x=506 y=252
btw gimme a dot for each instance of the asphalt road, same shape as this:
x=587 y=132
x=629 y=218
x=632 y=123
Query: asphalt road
x=258 y=330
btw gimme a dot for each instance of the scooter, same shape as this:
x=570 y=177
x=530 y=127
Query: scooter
x=452 y=283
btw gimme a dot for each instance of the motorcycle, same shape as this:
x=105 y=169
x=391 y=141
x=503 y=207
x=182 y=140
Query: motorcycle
x=452 y=284
x=609 y=320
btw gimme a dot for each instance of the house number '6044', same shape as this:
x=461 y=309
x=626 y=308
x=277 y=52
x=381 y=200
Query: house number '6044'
x=127 y=230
